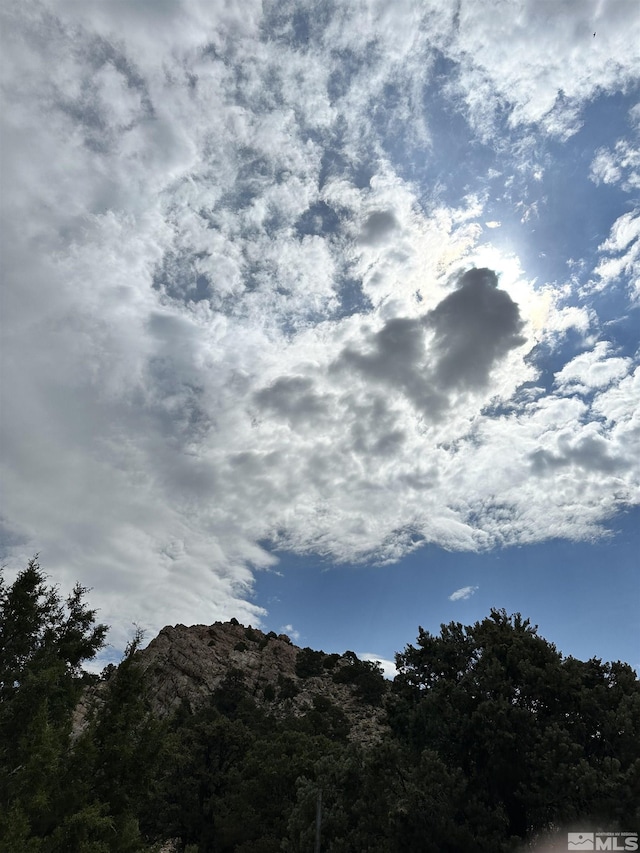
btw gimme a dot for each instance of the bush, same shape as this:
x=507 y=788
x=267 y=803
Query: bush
x=367 y=678
x=309 y=663
x=287 y=688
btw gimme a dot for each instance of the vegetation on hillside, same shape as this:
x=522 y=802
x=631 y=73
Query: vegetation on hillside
x=494 y=739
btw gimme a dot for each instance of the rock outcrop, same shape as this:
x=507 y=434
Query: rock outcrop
x=187 y=664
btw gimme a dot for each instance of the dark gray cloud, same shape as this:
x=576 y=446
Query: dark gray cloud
x=475 y=326
x=394 y=350
x=591 y=453
x=378 y=226
x=292 y=398
x=376 y=429
x=396 y=357
x=453 y=347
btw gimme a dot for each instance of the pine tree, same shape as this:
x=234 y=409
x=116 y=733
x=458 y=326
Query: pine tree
x=43 y=643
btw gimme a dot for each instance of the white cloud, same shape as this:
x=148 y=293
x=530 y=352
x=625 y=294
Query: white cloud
x=388 y=666
x=463 y=593
x=291 y=632
x=618 y=166
x=592 y=369
x=227 y=311
x=623 y=248
x=543 y=66
x=605 y=168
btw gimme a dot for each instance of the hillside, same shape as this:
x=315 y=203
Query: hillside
x=188 y=664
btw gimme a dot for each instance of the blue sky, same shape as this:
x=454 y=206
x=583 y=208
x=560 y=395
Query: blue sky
x=582 y=596
x=317 y=316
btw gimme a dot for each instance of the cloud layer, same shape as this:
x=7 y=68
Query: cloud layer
x=248 y=302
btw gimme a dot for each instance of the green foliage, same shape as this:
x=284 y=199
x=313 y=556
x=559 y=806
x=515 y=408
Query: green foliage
x=541 y=741
x=323 y=718
x=367 y=677
x=43 y=642
x=38 y=632
x=60 y=793
x=374 y=800
x=287 y=688
x=123 y=743
x=494 y=740
x=309 y=663
x=229 y=784
x=269 y=693
x=232 y=700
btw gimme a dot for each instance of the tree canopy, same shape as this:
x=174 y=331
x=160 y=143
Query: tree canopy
x=494 y=739
x=61 y=790
x=541 y=740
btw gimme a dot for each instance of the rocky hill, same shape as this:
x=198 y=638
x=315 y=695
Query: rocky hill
x=187 y=664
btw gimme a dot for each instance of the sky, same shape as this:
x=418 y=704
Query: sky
x=325 y=317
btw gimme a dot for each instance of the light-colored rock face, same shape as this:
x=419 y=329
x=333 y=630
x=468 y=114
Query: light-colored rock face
x=187 y=664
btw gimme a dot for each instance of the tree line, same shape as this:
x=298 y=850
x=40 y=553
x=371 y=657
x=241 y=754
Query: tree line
x=495 y=740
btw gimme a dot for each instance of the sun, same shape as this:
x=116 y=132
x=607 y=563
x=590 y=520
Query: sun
x=536 y=303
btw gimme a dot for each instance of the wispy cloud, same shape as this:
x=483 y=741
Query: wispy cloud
x=291 y=632
x=463 y=592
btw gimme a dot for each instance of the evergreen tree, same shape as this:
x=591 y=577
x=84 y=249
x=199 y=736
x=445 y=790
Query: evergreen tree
x=43 y=643
x=114 y=764
x=540 y=740
x=61 y=792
